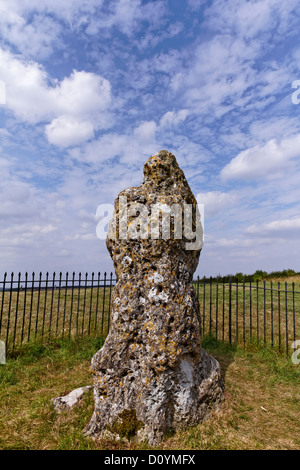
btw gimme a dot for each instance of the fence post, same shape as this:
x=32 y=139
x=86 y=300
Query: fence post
x=2 y=301
x=109 y=302
x=9 y=307
x=286 y=322
x=265 y=319
x=17 y=309
x=90 y=315
x=203 y=304
x=103 y=305
x=217 y=301
x=72 y=297
x=230 y=309
x=38 y=304
x=272 y=332
x=31 y=305
x=78 y=302
x=244 y=316
x=279 y=326
x=24 y=309
x=45 y=303
x=51 y=307
x=294 y=318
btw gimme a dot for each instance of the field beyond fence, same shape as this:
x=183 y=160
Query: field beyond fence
x=33 y=307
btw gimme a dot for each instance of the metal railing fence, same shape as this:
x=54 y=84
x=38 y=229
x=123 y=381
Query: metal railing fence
x=69 y=305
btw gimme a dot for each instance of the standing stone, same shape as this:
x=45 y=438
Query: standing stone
x=151 y=375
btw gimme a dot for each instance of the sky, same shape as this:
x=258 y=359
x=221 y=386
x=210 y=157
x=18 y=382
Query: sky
x=90 y=89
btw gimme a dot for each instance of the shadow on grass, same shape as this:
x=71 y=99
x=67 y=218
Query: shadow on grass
x=224 y=352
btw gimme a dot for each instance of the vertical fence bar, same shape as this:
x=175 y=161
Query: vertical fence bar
x=237 y=311
x=210 y=306
x=2 y=301
x=97 y=300
x=265 y=319
x=286 y=321
x=84 y=302
x=217 y=301
x=31 y=305
x=38 y=304
x=294 y=317
x=65 y=304
x=9 y=307
x=45 y=303
x=223 y=305
x=103 y=306
x=272 y=312
x=257 y=314
x=90 y=315
x=250 y=308
x=24 y=308
x=109 y=302
x=230 y=326
x=51 y=306
x=58 y=302
x=17 y=309
x=279 y=326
x=203 y=304
x=71 y=309
x=244 y=316
x=78 y=302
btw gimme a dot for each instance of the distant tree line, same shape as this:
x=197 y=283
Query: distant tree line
x=259 y=275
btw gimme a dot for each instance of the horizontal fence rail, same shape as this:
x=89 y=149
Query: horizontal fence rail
x=68 y=305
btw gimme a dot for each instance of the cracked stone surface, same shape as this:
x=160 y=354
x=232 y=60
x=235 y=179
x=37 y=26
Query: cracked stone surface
x=152 y=362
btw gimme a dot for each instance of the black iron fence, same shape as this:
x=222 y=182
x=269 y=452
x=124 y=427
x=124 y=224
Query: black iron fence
x=65 y=306
x=267 y=313
x=44 y=307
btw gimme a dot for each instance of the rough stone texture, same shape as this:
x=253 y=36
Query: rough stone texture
x=70 y=400
x=152 y=363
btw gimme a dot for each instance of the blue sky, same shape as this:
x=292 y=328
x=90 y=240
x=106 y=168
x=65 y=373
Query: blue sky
x=93 y=88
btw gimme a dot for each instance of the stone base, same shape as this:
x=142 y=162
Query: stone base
x=147 y=408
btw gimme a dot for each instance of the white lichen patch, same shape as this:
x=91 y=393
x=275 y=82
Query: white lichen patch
x=156 y=278
x=155 y=296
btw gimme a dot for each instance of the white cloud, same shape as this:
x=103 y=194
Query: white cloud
x=251 y=18
x=216 y=201
x=287 y=228
x=172 y=118
x=76 y=106
x=131 y=147
x=262 y=161
x=65 y=132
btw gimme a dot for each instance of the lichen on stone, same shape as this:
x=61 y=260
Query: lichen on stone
x=152 y=361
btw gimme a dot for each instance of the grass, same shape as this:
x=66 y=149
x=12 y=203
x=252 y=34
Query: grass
x=261 y=410
x=266 y=312
x=257 y=313
x=53 y=313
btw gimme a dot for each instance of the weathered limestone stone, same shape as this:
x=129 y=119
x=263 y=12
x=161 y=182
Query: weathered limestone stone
x=152 y=374
x=69 y=401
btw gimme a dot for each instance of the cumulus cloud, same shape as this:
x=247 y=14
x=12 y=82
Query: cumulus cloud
x=65 y=131
x=262 y=161
x=73 y=107
x=131 y=147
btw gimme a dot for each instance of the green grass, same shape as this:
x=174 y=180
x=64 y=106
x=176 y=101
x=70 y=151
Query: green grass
x=54 y=313
x=257 y=313
x=256 y=379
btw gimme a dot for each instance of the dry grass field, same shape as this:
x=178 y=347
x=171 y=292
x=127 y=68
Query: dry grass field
x=261 y=410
